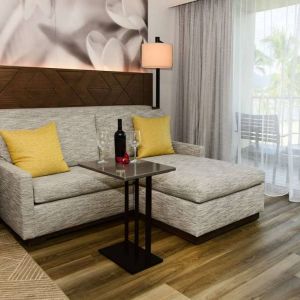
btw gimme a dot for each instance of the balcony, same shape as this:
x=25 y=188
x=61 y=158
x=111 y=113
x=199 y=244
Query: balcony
x=270 y=139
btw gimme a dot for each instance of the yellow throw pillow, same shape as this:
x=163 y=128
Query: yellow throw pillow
x=36 y=151
x=155 y=136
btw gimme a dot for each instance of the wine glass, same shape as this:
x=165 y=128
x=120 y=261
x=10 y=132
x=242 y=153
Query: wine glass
x=134 y=140
x=102 y=139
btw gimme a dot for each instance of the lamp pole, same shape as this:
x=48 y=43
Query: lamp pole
x=157 y=104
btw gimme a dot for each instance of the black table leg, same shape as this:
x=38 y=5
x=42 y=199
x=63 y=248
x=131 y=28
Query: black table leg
x=136 y=213
x=129 y=255
x=126 y=214
x=148 y=217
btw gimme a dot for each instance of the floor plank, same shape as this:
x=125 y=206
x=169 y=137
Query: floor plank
x=264 y=254
x=289 y=289
x=267 y=280
x=162 y=292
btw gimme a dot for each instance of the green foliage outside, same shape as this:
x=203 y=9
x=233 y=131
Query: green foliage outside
x=281 y=62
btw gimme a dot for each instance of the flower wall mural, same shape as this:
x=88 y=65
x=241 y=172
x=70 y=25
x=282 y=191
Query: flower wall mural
x=79 y=34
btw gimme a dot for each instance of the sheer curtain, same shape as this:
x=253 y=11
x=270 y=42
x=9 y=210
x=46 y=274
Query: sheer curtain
x=266 y=91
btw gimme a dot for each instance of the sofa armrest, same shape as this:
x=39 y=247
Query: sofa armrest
x=188 y=149
x=16 y=199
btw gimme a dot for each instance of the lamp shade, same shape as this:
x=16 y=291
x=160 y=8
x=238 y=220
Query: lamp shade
x=157 y=56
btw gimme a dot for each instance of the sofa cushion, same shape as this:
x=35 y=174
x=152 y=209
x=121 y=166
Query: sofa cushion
x=79 y=181
x=77 y=134
x=200 y=179
x=37 y=151
x=81 y=126
x=155 y=136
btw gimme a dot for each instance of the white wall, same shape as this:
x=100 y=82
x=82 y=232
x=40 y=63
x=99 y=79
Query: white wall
x=161 y=20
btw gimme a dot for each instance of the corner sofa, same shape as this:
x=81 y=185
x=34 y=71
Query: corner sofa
x=201 y=196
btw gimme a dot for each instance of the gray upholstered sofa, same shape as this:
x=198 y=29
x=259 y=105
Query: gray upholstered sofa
x=201 y=196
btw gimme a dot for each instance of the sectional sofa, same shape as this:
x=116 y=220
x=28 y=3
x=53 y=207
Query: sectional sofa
x=200 y=197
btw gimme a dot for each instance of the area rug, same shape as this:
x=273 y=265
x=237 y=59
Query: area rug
x=20 y=276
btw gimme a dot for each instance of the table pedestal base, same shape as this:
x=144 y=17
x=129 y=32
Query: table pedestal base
x=131 y=258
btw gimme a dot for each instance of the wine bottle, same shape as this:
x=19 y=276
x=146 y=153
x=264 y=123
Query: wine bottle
x=120 y=142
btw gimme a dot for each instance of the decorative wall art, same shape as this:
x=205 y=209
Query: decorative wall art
x=76 y=34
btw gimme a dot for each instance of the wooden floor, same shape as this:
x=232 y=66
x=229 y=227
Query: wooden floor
x=258 y=261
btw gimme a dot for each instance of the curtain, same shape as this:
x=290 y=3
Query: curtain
x=266 y=91
x=204 y=68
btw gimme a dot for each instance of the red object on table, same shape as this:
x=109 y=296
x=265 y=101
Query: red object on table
x=123 y=160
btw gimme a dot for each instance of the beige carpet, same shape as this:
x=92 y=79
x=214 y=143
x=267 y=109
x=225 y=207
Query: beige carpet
x=20 y=277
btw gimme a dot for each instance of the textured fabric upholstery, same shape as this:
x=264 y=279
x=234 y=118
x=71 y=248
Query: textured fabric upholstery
x=17 y=207
x=79 y=181
x=16 y=199
x=180 y=198
x=155 y=136
x=200 y=179
x=66 y=213
x=77 y=134
x=4 y=154
x=188 y=149
x=77 y=126
x=198 y=219
x=107 y=119
x=36 y=151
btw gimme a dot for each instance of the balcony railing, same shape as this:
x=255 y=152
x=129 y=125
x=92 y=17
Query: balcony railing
x=288 y=111
x=281 y=159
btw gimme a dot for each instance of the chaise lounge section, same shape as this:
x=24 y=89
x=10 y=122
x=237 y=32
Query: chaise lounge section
x=202 y=196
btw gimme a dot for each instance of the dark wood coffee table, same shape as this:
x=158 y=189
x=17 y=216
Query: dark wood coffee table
x=129 y=255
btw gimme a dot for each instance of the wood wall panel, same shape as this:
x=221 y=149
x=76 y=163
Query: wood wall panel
x=22 y=87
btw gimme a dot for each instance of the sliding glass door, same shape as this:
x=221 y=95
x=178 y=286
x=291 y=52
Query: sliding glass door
x=266 y=91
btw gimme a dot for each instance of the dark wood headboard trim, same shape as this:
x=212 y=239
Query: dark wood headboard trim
x=28 y=87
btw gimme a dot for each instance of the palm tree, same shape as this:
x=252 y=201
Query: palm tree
x=282 y=63
x=261 y=61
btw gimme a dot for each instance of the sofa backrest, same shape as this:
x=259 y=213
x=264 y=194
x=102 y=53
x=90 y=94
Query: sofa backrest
x=77 y=126
x=77 y=133
x=107 y=119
